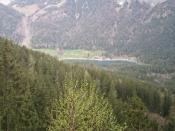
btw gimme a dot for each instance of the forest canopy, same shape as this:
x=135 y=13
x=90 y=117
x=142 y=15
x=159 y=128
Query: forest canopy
x=40 y=93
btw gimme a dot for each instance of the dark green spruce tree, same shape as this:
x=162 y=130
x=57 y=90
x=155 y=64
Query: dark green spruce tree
x=17 y=113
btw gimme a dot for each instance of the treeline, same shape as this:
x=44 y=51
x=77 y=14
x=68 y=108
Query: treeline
x=40 y=93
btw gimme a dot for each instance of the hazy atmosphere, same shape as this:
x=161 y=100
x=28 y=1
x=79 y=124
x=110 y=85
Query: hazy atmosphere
x=150 y=1
x=87 y=65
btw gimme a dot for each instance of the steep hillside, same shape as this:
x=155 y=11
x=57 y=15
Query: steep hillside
x=154 y=42
x=132 y=28
x=10 y=23
x=83 y=23
x=87 y=24
x=37 y=89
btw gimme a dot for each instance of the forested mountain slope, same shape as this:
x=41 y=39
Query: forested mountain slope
x=82 y=24
x=10 y=23
x=36 y=94
x=133 y=28
x=154 y=42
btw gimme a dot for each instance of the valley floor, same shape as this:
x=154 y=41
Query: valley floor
x=87 y=55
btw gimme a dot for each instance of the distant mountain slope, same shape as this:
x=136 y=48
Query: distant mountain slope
x=10 y=23
x=86 y=24
x=82 y=23
x=132 y=28
x=154 y=41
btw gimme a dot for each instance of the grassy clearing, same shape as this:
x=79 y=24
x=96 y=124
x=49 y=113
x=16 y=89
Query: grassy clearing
x=72 y=53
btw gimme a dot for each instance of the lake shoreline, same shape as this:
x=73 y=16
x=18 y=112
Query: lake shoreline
x=131 y=60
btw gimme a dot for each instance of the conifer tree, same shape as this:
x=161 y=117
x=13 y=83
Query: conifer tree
x=166 y=104
x=82 y=108
x=18 y=113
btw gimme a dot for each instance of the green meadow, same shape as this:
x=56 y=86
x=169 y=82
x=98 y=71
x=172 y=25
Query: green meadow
x=72 y=53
